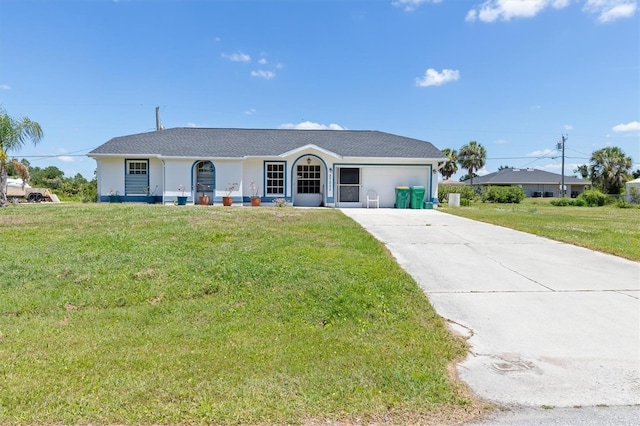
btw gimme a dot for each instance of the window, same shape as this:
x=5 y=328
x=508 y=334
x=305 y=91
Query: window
x=137 y=176
x=275 y=179
x=309 y=179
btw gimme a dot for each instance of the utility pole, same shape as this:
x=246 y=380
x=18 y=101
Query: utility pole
x=561 y=145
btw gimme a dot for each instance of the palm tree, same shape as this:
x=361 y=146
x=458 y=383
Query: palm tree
x=450 y=168
x=472 y=156
x=609 y=169
x=583 y=170
x=13 y=134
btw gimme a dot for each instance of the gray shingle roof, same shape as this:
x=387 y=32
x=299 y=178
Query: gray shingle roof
x=239 y=143
x=524 y=176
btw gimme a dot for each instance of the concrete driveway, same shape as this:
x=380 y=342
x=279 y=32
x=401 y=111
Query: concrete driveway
x=549 y=324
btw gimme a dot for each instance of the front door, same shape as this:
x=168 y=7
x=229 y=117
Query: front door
x=205 y=178
x=349 y=187
x=309 y=188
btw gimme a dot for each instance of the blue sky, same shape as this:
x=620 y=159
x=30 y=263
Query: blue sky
x=514 y=75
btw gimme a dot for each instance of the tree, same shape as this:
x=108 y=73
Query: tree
x=472 y=156
x=609 y=169
x=583 y=170
x=636 y=174
x=504 y=168
x=450 y=168
x=467 y=177
x=13 y=135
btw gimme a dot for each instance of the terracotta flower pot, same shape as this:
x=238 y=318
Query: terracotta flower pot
x=255 y=201
x=204 y=200
x=227 y=201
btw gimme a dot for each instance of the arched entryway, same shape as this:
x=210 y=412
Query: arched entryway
x=205 y=182
x=309 y=182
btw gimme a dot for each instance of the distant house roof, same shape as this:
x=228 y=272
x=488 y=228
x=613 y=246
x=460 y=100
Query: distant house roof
x=451 y=182
x=240 y=143
x=525 y=176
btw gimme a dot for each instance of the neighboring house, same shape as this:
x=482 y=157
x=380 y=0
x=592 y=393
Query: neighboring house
x=306 y=167
x=632 y=190
x=535 y=183
x=451 y=182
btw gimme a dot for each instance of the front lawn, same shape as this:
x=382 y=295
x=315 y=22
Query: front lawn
x=608 y=229
x=149 y=314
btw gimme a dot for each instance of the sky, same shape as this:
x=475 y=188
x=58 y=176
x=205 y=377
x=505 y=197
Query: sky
x=513 y=75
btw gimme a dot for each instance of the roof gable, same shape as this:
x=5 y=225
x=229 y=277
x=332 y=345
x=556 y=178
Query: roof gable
x=312 y=147
x=241 y=143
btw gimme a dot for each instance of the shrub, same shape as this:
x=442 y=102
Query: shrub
x=579 y=202
x=502 y=194
x=593 y=198
x=563 y=202
x=634 y=196
x=466 y=192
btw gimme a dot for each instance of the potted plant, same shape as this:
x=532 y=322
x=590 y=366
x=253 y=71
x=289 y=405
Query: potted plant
x=182 y=199
x=227 y=200
x=150 y=195
x=204 y=199
x=255 y=197
x=113 y=196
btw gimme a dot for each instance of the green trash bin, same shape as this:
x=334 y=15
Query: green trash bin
x=417 y=197
x=403 y=194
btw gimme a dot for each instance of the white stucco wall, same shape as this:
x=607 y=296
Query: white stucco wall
x=165 y=176
x=110 y=175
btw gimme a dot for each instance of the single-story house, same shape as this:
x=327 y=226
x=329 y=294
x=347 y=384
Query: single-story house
x=305 y=167
x=632 y=190
x=535 y=183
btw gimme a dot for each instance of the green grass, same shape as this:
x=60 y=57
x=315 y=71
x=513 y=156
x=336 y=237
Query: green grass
x=148 y=314
x=608 y=229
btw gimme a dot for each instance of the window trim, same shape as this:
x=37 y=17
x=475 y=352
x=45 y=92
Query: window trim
x=283 y=169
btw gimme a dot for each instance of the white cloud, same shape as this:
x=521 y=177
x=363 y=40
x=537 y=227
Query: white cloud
x=237 y=57
x=268 y=75
x=568 y=127
x=308 y=125
x=410 y=5
x=541 y=153
x=191 y=124
x=66 y=159
x=611 y=10
x=482 y=172
x=262 y=61
x=501 y=142
x=435 y=78
x=250 y=111
x=5 y=87
x=633 y=126
x=504 y=10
